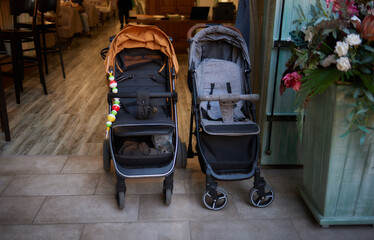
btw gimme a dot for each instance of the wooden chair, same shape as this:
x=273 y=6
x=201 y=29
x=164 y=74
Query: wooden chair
x=66 y=24
x=3 y=110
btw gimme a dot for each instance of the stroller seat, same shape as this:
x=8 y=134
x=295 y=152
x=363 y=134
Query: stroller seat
x=223 y=79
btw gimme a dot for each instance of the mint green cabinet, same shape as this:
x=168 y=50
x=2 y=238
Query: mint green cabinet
x=338 y=179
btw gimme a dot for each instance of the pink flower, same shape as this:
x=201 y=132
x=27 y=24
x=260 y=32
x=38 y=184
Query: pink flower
x=352 y=9
x=292 y=80
x=338 y=4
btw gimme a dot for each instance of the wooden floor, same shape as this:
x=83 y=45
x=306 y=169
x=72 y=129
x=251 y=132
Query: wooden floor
x=70 y=120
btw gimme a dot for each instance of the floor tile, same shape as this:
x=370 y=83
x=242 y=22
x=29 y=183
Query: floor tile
x=183 y=207
x=195 y=183
x=84 y=164
x=41 y=232
x=137 y=186
x=193 y=165
x=87 y=209
x=4 y=181
x=135 y=231
x=31 y=164
x=284 y=180
x=19 y=210
x=243 y=230
x=52 y=184
x=308 y=229
x=285 y=205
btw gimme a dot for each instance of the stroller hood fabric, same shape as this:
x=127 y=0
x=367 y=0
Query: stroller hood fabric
x=141 y=36
x=222 y=42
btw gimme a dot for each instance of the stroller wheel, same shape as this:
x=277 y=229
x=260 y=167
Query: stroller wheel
x=257 y=201
x=182 y=155
x=167 y=197
x=121 y=200
x=219 y=202
x=106 y=155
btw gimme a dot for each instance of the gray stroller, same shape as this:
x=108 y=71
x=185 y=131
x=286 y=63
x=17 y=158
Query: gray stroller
x=227 y=136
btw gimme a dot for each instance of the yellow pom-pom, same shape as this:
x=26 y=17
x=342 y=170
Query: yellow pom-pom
x=111 y=118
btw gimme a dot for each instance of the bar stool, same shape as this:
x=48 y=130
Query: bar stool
x=44 y=27
x=16 y=37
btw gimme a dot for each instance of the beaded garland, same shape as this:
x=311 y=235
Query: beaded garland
x=116 y=103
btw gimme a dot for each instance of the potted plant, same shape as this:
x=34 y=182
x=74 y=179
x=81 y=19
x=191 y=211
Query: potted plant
x=331 y=68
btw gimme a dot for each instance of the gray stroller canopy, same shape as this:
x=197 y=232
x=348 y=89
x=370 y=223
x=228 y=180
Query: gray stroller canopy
x=221 y=43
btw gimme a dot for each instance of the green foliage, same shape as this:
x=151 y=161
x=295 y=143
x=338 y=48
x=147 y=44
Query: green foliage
x=316 y=59
x=317 y=81
x=359 y=116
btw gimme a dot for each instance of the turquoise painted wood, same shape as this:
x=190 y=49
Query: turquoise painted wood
x=284 y=136
x=338 y=180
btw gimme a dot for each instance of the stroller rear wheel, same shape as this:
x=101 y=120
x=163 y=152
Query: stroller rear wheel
x=106 y=155
x=215 y=199
x=261 y=201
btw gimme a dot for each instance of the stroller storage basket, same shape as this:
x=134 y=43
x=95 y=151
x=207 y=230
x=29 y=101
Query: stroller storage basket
x=222 y=152
x=142 y=151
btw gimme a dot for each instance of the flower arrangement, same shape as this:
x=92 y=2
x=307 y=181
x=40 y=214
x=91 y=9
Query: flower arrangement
x=336 y=45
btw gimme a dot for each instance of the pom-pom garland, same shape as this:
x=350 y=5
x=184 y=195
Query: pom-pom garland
x=116 y=103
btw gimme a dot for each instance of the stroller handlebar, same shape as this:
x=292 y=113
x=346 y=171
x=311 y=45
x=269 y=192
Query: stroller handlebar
x=229 y=97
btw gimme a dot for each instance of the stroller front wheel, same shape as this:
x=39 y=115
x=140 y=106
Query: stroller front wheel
x=215 y=200
x=168 y=197
x=261 y=201
x=121 y=200
x=106 y=155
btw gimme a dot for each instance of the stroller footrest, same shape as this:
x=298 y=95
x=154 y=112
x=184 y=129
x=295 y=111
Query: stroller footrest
x=144 y=161
x=141 y=130
x=230 y=129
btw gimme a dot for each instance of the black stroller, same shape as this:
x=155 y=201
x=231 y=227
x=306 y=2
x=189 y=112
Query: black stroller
x=142 y=122
x=227 y=136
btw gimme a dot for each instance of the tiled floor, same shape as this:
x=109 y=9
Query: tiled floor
x=62 y=197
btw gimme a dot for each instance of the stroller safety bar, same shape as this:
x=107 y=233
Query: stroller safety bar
x=192 y=30
x=173 y=95
x=228 y=98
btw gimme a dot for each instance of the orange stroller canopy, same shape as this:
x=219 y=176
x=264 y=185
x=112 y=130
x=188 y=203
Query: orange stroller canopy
x=141 y=36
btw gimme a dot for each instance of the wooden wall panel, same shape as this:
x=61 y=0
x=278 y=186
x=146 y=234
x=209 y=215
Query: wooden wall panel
x=5 y=19
x=161 y=7
x=282 y=152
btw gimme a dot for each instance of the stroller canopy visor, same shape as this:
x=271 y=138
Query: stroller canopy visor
x=218 y=42
x=141 y=36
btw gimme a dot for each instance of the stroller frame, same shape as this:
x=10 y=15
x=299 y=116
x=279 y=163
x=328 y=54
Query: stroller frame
x=145 y=124
x=214 y=197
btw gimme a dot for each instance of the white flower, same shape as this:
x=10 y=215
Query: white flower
x=355 y=18
x=343 y=64
x=341 y=48
x=353 y=39
x=308 y=34
x=329 y=60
